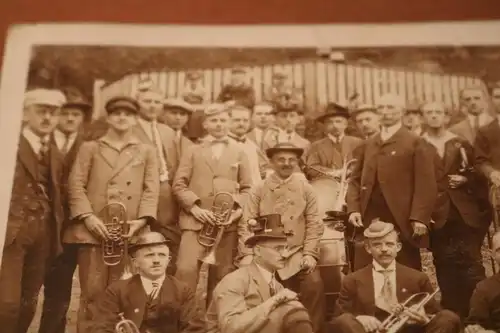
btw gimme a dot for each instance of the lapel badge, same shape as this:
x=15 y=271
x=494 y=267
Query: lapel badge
x=393 y=152
x=404 y=290
x=136 y=310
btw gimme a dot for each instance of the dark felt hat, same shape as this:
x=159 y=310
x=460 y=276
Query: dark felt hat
x=121 y=102
x=77 y=102
x=334 y=110
x=285 y=146
x=265 y=227
x=147 y=239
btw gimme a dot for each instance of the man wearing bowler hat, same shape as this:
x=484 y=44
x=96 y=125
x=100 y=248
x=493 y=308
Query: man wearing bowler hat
x=116 y=168
x=65 y=142
x=153 y=301
x=238 y=90
x=250 y=299
x=285 y=193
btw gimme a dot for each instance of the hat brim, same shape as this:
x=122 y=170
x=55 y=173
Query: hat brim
x=323 y=117
x=270 y=152
x=276 y=111
x=133 y=247
x=122 y=107
x=83 y=106
x=253 y=240
x=189 y=109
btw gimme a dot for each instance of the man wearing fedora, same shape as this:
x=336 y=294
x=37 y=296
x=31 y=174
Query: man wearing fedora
x=369 y=295
x=238 y=89
x=367 y=120
x=152 y=300
x=285 y=193
x=330 y=153
x=250 y=299
x=65 y=142
x=117 y=168
x=31 y=234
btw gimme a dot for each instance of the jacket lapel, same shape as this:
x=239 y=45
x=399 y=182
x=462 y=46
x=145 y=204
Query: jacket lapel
x=402 y=292
x=137 y=299
x=369 y=289
x=260 y=283
x=226 y=156
x=141 y=134
x=130 y=153
x=208 y=156
x=56 y=161
x=27 y=157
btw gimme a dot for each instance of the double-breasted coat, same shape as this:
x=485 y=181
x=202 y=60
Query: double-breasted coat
x=103 y=174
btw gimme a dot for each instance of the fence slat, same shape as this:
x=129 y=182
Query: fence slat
x=351 y=81
x=368 y=89
x=332 y=82
x=341 y=83
x=321 y=91
x=359 y=78
x=217 y=81
x=310 y=86
x=401 y=84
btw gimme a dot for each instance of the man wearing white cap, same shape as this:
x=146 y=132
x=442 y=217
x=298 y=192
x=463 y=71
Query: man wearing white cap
x=31 y=230
x=395 y=180
x=371 y=294
x=176 y=115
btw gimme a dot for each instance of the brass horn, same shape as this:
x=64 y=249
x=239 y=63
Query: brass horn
x=126 y=325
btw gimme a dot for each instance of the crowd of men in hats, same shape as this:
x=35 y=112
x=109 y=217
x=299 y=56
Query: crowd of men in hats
x=416 y=183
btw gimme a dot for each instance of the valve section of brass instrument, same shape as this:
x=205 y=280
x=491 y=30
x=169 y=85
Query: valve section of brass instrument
x=114 y=249
x=211 y=234
x=126 y=325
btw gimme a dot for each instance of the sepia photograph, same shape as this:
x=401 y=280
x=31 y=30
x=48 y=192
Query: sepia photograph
x=271 y=179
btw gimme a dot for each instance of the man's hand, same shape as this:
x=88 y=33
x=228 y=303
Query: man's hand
x=370 y=324
x=474 y=329
x=455 y=181
x=96 y=227
x=417 y=315
x=336 y=174
x=308 y=264
x=419 y=229
x=134 y=226
x=236 y=214
x=203 y=215
x=283 y=296
x=246 y=260
x=495 y=177
x=355 y=220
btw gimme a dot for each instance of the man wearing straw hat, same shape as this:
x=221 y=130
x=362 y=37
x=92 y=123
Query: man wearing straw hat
x=250 y=299
x=31 y=229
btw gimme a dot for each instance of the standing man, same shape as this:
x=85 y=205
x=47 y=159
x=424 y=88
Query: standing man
x=366 y=120
x=218 y=164
x=116 y=168
x=176 y=116
x=65 y=144
x=329 y=153
x=238 y=90
x=262 y=119
x=461 y=221
x=31 y=230
x=285 y=193
x=395 y=180
x=413 y=118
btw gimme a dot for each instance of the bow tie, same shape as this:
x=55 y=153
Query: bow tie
x=242 y=139
x=224 y=141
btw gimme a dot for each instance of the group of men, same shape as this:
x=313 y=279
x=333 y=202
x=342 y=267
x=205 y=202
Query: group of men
x=416 y=184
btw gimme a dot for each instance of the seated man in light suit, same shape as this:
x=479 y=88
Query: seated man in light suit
x=250 y=300
x=368 y=295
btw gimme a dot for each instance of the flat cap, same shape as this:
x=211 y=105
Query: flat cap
x=50 y=97
x=122 y=102
x=147 y=239
x=178 y=103
x=284 y=147
x=149 y=85
x=378 y=229
x=216 y=108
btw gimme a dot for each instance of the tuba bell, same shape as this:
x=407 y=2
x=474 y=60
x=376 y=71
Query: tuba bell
x=126 y=325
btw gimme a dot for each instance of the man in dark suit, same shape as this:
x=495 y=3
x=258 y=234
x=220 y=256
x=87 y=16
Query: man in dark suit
x=370 y=294
x=152 y=300
x=31 y=229
x=461 y=218
x=65 y=143
x=394 y=179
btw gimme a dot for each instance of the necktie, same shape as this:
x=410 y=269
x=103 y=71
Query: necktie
x=155 y=290
x=159 y=153
x=387 y=299
x=272 y=286
x=65 y=147
x=44 y=148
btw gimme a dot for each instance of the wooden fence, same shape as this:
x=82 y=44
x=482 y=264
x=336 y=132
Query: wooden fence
x=320 y=82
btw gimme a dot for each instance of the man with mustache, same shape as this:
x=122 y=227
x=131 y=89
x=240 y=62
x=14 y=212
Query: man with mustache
x=65 y=142
x=250 y=299
x=117 y=168
x=394 y=179
x=31 y=229
x=366 y=120
x=238 y=90
x=286 y=193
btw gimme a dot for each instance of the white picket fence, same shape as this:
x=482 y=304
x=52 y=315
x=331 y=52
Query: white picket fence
x=319 y=81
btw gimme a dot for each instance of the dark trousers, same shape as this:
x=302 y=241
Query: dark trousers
x=456 y=249
x=378 y=208
x=24 y=262
x=443 y=322
x=57 y=291
x=310 y=288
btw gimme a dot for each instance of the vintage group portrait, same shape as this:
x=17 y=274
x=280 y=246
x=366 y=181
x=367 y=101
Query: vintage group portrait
x=250 y=179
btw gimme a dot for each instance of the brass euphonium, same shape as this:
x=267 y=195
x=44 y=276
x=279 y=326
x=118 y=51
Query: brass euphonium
x=126 y=325
x=211 y=234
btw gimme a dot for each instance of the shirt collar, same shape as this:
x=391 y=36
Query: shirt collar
x=286 y=134
x=146 y=123
x=209 y=138
x=267 y=275
x=32 y=137
x=391 y=130
x=336 y=139
x=378 y=268
x=148 y=283
x=447 y=136
x=482 y=119
x=60 y=135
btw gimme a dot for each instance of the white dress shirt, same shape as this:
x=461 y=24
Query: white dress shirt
x=34 y=140
x=217 y=147
x=439 y=142
x=60 y=139
x=379 y=278
x=252 y=152
x=483 y=119
x=387 y=132
x=284 y=136
x=147 y=126
x=148 y=284
x=335 y=139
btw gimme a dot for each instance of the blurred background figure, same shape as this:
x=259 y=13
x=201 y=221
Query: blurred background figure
x=412 y=118
x=262 y=119
x=238 y=90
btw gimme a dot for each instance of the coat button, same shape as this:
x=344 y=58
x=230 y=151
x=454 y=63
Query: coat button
x=31 y=218
x=30 y=185
x=129 y=182
x=291 y=217
x=129 y=197
x=112 y=182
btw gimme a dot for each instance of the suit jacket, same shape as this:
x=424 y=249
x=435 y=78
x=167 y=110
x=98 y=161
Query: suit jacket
x=177 y=306
x=235 y=302
x=101 y=175
x=200 y=177
x=465 y=130
x=404 y=168
x=486 y=151
x=323 y=155
x=296 y=202
x=485 y=304
x=357 y=295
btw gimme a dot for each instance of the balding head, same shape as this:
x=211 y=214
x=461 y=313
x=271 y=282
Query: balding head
x=390 y=107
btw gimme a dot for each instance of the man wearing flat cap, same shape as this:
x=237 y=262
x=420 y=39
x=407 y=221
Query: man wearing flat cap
x=117 y=168
x=238 y=90
x=65 y=142
x=176 y=115
x=153 y=301
x=367 y=120
x=31 y=228
x=250 y=299
x=369 y=295
x=412 y=118
x=285 y=193
x=218 y=164
x=394 y=179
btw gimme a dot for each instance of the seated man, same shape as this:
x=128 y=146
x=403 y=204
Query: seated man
x=250 y=300
x=484 y=315
x=368 y=295
x=154 y=301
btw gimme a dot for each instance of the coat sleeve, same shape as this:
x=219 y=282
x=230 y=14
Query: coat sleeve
x=191 y=319
x=353 y=196
x=180 y=186
x=250 y=211
x=482 y=154
x=105 y=311
x=347 y=295
x=312 y=159
x=78 y=200
x=148 y=205
x=314 y=226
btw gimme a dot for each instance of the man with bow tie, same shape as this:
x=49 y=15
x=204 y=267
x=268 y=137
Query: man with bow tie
x=394 y=179
x=65 y=142
x=31 y=228
x=154 y=301
x=218 y=164
x=115 y=168
x=250 y=299
x=370 y=295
